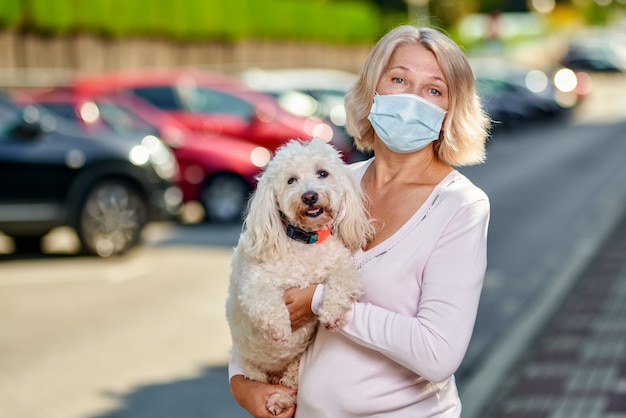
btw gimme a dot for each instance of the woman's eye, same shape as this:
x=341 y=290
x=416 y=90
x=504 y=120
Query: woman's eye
x=292 y=180
x=322 y=173
x=434 y=92
x=397 y=80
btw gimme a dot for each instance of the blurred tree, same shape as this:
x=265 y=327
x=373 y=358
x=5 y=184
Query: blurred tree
x=52 y=17
x=391 y=5
x=325 y=20
x=599 y=12
x=10 y=13
x=447 y=13
x=489 y=6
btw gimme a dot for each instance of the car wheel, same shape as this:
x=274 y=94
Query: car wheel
x=224 y=198
x=111 y=218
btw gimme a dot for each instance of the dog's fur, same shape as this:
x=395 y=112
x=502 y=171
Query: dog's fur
x=266 y=261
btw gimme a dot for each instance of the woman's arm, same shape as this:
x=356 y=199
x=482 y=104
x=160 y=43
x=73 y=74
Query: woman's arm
x=253 y=395
x=433 y=343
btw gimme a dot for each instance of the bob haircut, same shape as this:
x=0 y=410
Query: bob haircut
x=465 y=131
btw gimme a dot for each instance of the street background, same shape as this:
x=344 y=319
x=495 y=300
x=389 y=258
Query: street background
x=145 y=335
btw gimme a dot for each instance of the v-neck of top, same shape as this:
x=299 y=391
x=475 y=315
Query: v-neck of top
x=420 y=214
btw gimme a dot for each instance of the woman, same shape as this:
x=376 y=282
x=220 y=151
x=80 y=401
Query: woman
x=414 y=105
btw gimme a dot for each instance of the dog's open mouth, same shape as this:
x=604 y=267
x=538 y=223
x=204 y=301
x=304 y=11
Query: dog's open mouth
x=314 y=212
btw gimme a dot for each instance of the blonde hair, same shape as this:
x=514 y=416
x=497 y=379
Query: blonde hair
x=466 y=128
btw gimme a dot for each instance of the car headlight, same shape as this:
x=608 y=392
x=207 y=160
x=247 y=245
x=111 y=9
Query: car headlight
x=565 y=80
x=318 y=129
x=260 y=156
x=153 y=150
x=337 y=115
x=536 y=81
x=324 y=131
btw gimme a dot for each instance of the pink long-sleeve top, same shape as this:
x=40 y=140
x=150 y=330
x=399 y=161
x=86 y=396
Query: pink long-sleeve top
x=409 y=332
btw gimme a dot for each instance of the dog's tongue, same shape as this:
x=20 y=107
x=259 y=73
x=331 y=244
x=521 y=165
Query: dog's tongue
x=314 y=212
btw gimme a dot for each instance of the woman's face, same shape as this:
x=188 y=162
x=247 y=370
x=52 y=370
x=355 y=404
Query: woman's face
x=414 y=69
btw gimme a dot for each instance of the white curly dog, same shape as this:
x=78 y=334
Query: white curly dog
x=304 y=221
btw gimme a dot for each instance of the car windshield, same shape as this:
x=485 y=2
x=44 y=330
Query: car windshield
x=205 y=100
x=9 y=115
x=162 y=97
x=490 y=86
x=117 y=118
x=125 y=122
x=65 y=110
x=327 y=94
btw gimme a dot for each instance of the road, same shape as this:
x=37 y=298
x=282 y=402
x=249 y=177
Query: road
x=79 y=337
x=145 y=336
x=555 y=194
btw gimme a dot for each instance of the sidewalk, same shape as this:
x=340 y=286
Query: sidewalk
x=577 y=366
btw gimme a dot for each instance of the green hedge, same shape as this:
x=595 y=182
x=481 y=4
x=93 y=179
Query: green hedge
x=188 y=20
x=10 y=13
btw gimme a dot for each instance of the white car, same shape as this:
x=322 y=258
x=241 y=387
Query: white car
x=305 y=91
x=308 y=92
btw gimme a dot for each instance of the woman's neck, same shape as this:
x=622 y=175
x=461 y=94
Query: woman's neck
x=421 y=167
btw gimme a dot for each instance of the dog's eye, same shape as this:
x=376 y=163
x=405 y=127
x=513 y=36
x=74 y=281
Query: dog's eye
x=292 y=180
x=322 y=173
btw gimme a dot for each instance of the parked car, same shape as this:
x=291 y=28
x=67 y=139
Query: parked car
x=601 y=51
x=216 y=170
x=515 y=95
x=214 y=103
x=307 y=92
x=105 y=188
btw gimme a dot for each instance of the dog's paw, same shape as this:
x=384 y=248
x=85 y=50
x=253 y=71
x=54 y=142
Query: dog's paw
x=289 y=380
x=279 y=402
x=332 y=320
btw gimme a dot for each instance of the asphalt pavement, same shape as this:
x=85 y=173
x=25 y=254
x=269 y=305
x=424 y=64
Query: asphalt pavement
x=485 y=384
x=576 y=366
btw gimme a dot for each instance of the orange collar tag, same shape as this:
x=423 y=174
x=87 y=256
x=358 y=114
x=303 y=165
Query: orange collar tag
x=322 y=234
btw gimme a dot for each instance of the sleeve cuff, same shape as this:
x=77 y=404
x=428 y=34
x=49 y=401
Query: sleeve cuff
x=318 y=296
x=234 y=368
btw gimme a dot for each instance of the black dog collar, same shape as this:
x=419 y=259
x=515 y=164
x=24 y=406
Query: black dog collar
x=301 y=235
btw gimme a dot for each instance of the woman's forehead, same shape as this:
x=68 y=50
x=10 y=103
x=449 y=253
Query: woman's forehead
x=412 y=58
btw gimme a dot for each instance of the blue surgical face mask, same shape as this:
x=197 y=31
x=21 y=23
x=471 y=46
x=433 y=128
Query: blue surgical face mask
x=405 y=122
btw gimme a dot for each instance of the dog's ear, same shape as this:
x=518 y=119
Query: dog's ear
x=264 y=233
x=352 y=223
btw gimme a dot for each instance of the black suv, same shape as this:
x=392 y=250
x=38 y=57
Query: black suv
x=105 y=187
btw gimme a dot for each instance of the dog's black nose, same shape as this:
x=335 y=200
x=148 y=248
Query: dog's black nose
x=309 y=198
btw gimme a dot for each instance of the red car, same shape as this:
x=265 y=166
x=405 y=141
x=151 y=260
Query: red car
x=215 y=103
x=218 y=171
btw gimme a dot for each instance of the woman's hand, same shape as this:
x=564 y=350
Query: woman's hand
x=298 y=302
x=253 y=395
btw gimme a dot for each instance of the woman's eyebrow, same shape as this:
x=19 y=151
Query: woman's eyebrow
x=398 y=66
x=407 y=69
